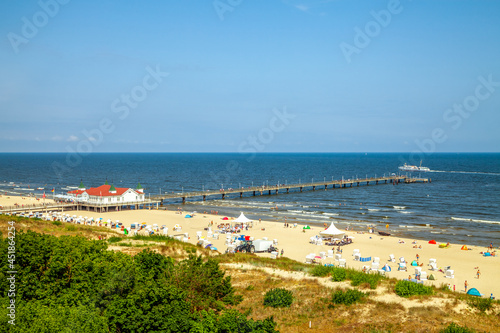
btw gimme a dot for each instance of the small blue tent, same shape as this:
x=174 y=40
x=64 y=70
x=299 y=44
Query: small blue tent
x=414 y=263
x=474 y=292
x=386 y=268
x=188 y=216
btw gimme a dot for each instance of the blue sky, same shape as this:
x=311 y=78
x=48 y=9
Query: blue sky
x=230 y=75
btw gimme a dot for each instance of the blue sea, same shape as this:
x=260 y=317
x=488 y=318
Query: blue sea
x=460 y=205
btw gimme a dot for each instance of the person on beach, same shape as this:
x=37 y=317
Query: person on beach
x=418 y=257
x=465 y=284
x=478 y=273
x=282 y=252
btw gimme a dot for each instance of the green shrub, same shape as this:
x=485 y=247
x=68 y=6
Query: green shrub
x=348 y=297
x=359 y=278
x=321 y=271
x=482 y=304
x=115 y=239
x=57 y=223
x=338 y=274
x=278 y=298
x=408 y=288
x=454 y=328
x=71 y=228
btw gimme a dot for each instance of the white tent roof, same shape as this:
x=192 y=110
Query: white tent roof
x=242 y=219
x=332 y=231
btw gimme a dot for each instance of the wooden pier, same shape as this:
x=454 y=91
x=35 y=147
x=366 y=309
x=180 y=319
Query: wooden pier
x=285 y=188
x=156 y=200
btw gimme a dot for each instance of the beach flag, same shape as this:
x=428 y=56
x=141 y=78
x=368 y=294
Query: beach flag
x=43 y=194
x=53 y=190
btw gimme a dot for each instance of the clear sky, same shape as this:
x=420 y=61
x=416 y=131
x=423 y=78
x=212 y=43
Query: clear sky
x=242 y=75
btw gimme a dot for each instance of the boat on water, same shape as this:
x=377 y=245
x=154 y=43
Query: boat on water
x=407 y=167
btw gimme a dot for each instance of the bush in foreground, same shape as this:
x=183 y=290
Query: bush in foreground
x=278 y=298
x=408 y=288
x=482 y=304
x=454 y=328
x=359 y=278
x=348 y=297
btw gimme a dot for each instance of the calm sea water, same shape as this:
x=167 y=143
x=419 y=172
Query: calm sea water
x=462 y=204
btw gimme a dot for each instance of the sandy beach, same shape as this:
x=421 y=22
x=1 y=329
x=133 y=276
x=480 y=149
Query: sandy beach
x=296 y=245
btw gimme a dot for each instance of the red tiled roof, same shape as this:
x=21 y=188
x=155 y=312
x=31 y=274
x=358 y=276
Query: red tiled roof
x=102 y=190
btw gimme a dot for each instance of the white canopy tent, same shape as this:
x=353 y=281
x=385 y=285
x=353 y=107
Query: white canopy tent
x=332 y=231
x=242 y=219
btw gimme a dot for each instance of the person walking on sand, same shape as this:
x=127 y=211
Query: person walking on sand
x=465 y=284
x=418 y=257
x=282 y=252
x=478 y=273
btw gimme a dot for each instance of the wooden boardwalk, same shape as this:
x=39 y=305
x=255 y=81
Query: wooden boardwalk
x=276 y=189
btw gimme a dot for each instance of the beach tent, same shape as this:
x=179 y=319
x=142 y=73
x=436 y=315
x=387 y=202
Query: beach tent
x=386 y=268
x=225 y=218
x=432 y=242
x=464 y=247
x=414 y=263
x=188 y=216
x=306 y=227
x=242 y=219
x=332 y=231
x=474 y=292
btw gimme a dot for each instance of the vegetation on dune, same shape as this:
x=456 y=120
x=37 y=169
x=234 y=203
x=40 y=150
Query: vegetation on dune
x=71 y=282
x=407 y=288
x=278 y=298
x=347 y=297
x=454 y=328
x=339 y=274
x=75 y=283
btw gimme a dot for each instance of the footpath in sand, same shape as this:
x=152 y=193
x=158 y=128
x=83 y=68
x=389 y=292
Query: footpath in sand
x=296 y=245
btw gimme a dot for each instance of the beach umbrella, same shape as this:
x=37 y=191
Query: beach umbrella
x=306 y=227
x=432 y=242
x=464 y=247
x=225 y=218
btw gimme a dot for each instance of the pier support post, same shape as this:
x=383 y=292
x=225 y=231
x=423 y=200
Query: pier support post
x=326 y=186
x=367 y=183
x=183 y=200
x=376 y=182
x=254 y=193
x=276 y=191
x=287 y=189
x=269 y=192
x=204 y=198
x=301 y=189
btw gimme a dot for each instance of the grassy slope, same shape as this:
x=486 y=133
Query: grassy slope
x=382 y=311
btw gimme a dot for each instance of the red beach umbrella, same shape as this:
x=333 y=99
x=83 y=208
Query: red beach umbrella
x=225 y=218
x=432 y=242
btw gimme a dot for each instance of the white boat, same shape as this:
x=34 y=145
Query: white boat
x=407 y=167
